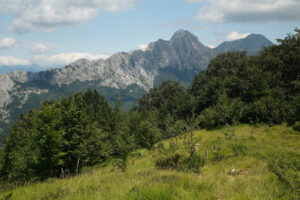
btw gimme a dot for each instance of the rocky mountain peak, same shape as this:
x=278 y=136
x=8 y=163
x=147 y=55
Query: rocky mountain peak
x=82 y=61
x=256 y=36
x=185 y=40
x=20 y=76
x=183 y=35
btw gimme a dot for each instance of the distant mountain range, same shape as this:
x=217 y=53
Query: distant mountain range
x=127 y=74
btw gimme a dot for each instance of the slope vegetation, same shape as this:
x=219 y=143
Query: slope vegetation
x=239 y=162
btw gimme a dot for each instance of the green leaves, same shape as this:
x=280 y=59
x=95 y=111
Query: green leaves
x=240 y=88
x=64 y=135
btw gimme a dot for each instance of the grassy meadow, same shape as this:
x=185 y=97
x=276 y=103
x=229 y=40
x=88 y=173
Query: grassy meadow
x=241 y=162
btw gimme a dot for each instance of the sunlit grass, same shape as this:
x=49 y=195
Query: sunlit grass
x=251 y=180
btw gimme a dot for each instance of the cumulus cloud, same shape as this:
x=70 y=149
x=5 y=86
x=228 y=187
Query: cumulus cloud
x=40 y=48
x=248 y=10
x=46 y=15
x=236 y=36
x=12 y=61
x=64 y=58
x=7 y=43
x=43 y=60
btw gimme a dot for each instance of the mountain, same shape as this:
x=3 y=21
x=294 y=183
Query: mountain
x=129 y=74
x=252 y=44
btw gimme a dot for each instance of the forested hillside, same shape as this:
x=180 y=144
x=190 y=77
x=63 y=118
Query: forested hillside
x=64 y=137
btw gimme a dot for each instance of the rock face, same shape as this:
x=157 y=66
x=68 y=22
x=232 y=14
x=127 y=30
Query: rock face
x=129 y=74
x=183 y=52
x=6 y=85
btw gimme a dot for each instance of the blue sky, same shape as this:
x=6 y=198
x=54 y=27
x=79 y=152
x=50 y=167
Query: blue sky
x=52 y=33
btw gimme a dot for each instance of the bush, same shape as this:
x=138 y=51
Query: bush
x=193 y=163
x=296 y=126
x=161 y=147
x=120 y=164
x=207 y=119
x=172 y=162
x=218 y=153
x=179 y=162
x=229 y=134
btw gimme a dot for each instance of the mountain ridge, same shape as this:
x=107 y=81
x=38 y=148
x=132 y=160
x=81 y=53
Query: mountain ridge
x=128 y=73
x=245 y=44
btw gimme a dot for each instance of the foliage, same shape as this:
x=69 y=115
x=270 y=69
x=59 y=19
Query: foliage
x=287 y=170
x=296 y=126
x=240 y=88
x=170 y=101
x=62 y=137
x=168 y=162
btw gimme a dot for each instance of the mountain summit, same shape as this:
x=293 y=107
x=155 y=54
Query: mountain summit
x=183 y=35
x=129 y=74
x=252 y=44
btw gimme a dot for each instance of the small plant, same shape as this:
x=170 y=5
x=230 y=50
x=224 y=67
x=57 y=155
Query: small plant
x=170 y=162
x=229 y=133
x=191 y=143
x=296 y=126
x=218 y=153
x=161 y=147
x=230 y=136
x=120 y=164
x=173 y=146
x=193 y=162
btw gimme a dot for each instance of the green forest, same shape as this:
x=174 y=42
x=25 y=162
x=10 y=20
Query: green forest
x=66 y=136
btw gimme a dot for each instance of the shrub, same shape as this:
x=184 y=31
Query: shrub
x=193 y=163
x=172 y=161
x=296 y=126
x=235 y=146
x=218 y=153
x=161 y=147
x=120 y=164
x=179 y=162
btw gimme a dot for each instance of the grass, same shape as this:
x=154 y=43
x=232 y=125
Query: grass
x=266 y=167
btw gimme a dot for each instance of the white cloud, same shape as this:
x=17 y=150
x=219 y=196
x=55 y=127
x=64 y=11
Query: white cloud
x=40 y=48
x=49 y=61
x=211 y=46
x=143 y=47
x=64 y=58
x=12 y=61
x=46 y=15
x=248 y=10
x=7 y=43
x=236 y=36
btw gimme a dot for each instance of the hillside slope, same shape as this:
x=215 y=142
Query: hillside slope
x=242 y=162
